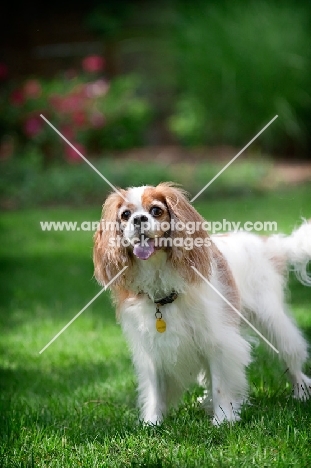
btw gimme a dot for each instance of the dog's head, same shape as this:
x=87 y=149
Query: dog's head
x=139 y=222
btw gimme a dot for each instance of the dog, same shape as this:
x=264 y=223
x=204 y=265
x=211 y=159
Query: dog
x=178 y=298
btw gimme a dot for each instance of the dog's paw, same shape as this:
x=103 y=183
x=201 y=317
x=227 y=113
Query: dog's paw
x=226 y=414
x=302 y=388
x=153 y=420
x=221 y=419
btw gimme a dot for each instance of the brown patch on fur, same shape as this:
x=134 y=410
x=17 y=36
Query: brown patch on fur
x=226 y=278
x=108 y=258
x=128 y=206
x=150 y=197
x=181 y=210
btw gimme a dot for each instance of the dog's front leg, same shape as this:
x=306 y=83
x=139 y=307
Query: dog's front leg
x=152 y=398
x=229 y=384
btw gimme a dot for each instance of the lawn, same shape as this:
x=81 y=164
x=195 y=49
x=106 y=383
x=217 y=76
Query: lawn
x=74 y=404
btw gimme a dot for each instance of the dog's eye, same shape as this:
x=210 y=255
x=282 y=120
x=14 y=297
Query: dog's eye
x=155 y=211
x=125 y=215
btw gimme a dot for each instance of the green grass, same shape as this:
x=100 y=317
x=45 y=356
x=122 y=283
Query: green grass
x=74 y=405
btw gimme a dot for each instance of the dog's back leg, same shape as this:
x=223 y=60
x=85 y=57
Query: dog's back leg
x=271 y=318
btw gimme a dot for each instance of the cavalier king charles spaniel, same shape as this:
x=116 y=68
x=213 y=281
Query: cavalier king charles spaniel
x=177 y=299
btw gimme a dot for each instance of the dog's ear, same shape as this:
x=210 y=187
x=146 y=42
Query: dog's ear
x=191 y=244
x=109 y=255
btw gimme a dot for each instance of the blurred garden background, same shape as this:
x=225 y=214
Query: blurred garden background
x=148 y=91
x=151 y=89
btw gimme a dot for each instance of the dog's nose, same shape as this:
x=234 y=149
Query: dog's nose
x=139 y=219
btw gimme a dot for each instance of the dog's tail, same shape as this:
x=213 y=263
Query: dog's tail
x=296 y=248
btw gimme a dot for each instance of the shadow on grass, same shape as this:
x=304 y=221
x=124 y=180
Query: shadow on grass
x=47 y=397
x=41 y=384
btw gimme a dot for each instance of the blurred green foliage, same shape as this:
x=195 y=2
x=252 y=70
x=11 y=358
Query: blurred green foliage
x=238 y=64
x=108 y=18
x=217 y=72
x=28 y=184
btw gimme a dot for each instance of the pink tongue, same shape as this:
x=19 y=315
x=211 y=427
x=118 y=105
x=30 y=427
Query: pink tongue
x=144 y=250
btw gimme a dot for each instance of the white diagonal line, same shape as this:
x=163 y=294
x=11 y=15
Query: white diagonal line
x=236 y=310
x=81 y=311
x=235 y=157
x=83 y=157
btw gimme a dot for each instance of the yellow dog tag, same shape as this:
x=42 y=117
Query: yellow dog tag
x=160 y=325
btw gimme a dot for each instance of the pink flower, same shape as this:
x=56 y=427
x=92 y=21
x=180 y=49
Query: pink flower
x=17 y=97
x=93 y=63
x=97 y=88
x=32 y=89
x=4 y=71
x=32 y=126
x=55 y=101
x=71 y=155
x=68 y=132
x=97 y=119
x=79 y=118
x=71 y=103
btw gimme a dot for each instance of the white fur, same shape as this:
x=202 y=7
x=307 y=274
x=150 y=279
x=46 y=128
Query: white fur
x=134 y=194
x=199 y=338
